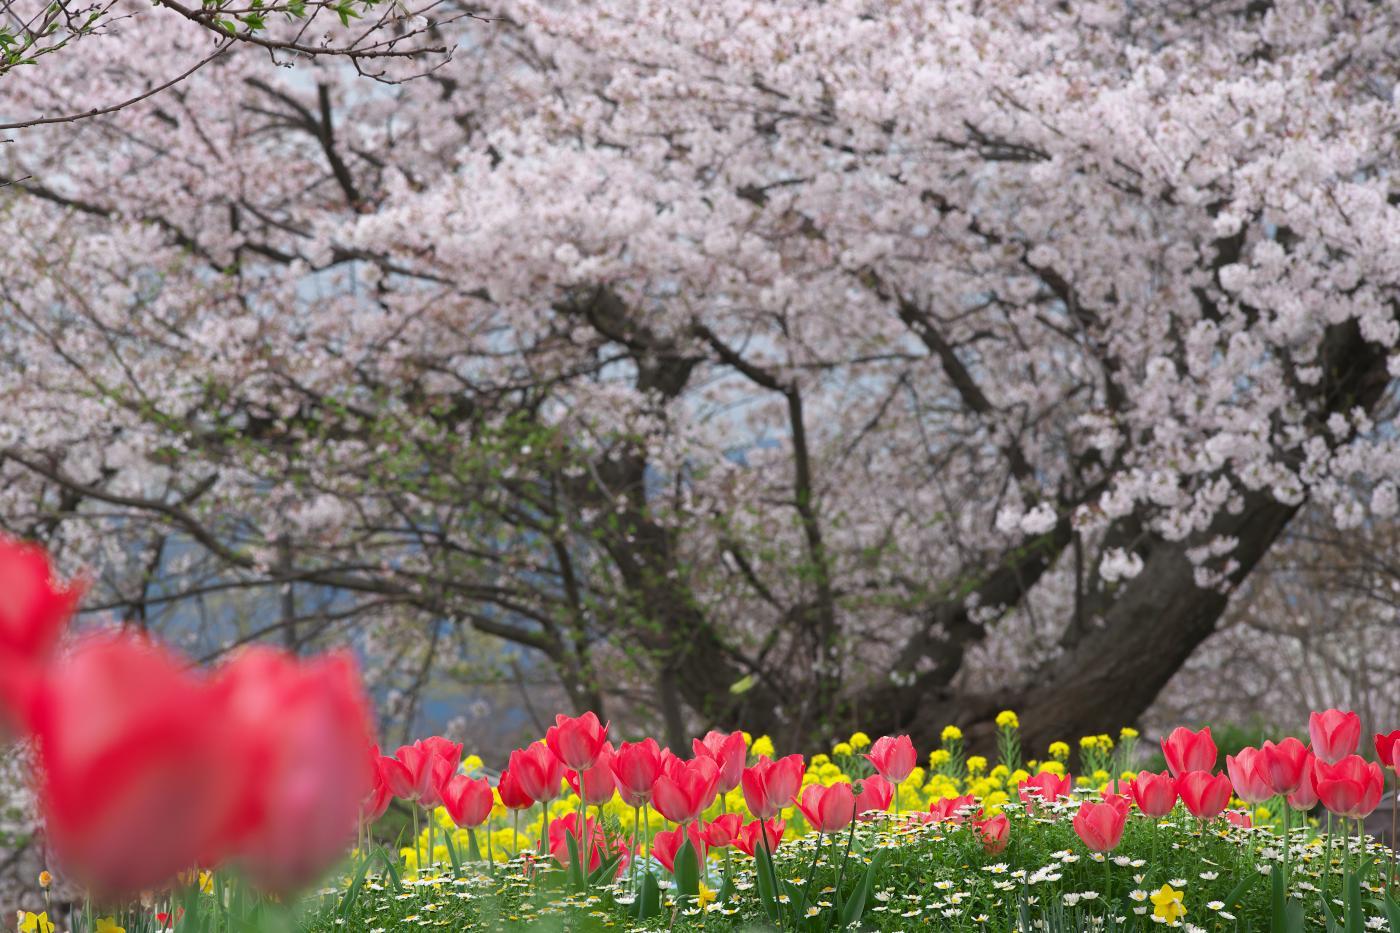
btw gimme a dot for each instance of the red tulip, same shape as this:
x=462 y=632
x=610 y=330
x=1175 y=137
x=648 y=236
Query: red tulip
x=995 y=833
x=429 y=764
x=380 y=795
x=1100 y=825
x=874 y=797
x=598 y=783
x=771 y=785
x=723 y=830
x=749 y=839
x=1204 y=794
x=952 y=809
x=538 y=771
x=1189 y=751
x=513 y=796
x=467 y=800
x=1288 y=765
x=685 y=789
x=310 y=723
x=667 y=843
x=1155 y=794
x=828 y=809
x=142 y=773
x=1046 y=787
x=894 y=757
x=1386 y=749
x=585 y=832
x=1335 y=734
x=1305 y=797
x=728 y=752
x=34 y=609
x=1239 y=819
x=577 y=741
x=1248 y=773
x=636 y=766
x=1350 y=788
x=397 y=777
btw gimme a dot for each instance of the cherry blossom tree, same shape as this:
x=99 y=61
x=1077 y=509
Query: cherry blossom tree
x=761 y=363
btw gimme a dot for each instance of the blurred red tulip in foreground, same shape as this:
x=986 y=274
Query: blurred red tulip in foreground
x=143 y=774
x=34 y=609
x=308 y=725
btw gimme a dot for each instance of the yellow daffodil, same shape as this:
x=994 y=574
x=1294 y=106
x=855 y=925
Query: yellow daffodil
x=35 y=923
x=109 y=925
x=1007 y=719
x=706 y=895
x=1167 y=904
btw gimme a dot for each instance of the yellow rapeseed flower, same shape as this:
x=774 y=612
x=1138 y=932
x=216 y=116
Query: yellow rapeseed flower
x=819 y=759
x=951 y=734
x=1127 y=732
x=859 y=740
x=1089 y=741
x=976 y=764
x=843 y=748
x=1056 y=768
x=1168 y=904
x=1059 y=750
x=939 y=756
x=762 y=746
x=1007 y=719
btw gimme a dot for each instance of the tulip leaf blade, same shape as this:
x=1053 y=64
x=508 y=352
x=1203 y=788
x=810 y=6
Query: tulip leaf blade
x=766 y=894
x=687 y=871
x=575 y=864
x=854 y=908
x=649 y=899
x=604 y=871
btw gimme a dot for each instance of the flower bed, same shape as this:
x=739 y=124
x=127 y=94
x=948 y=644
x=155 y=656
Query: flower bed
x=209 y=802
x=969 y=846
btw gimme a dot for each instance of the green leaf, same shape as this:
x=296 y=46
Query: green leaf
x=649 y=898
x=575 y=864
x=1232 y=899
x=605 y=871
x=687 y=871
x=1356 y=913
x=766 y=894
x=854 y=908
x=742 y=685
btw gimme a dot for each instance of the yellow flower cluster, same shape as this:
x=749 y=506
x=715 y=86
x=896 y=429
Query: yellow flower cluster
x=1007 y=719
x=1101 y=742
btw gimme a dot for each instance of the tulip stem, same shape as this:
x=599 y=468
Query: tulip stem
x=432 y=848
x=1394 y=795
x=417 y=846
x=544 y=828
x=515 y=832
x=811 y=877
x=1286 y=845
x=1327 y=864
x=632 y=861
x=841 y=872
x=772 y=869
